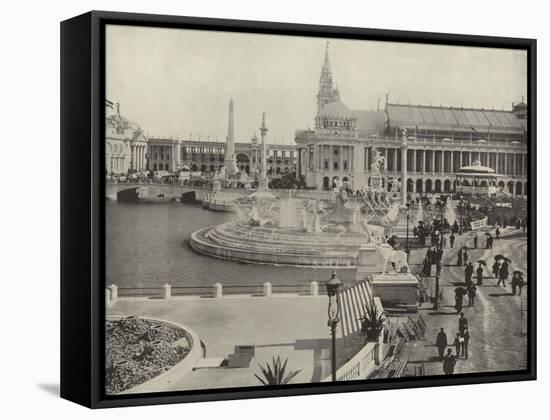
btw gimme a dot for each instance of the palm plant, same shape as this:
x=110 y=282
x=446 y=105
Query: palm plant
x=275 y=374
x=372 y=321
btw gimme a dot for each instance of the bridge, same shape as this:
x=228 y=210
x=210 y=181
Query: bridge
x=153 y=192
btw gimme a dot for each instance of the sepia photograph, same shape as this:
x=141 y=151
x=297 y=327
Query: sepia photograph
x=284 y=210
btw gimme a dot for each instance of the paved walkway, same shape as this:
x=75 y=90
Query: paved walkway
x=293 y=327
x=495 y=320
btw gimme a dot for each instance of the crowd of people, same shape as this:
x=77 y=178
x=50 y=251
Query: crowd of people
x=460 y=344
x=455 y=347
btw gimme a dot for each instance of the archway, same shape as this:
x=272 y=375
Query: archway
x=437 y=185
x=203 y=168
x=447 y=186
x=483 y=183
x=334 y=179
x=429 y=186
x=242 y=160
x=161 y=167
x=326 y=181
x=212 y=168
x=194 y=167
x=501 y=184
x=154 y=166
x=519 y=188
x=278 y=170
x=511 y=187
x=419 y=187
x=410 y=185
x=247 y=169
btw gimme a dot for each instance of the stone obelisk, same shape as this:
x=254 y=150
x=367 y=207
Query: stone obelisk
x=262 y=181
x=229 y=161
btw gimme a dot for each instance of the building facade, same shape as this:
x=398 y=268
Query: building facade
x=208 y=156
x=442 y=140
x=125 y=143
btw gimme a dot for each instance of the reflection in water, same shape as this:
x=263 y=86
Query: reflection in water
x=146 y=246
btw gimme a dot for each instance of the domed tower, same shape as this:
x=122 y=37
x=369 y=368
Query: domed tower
x=337 y=117
x=327 y=93
x=520 y=110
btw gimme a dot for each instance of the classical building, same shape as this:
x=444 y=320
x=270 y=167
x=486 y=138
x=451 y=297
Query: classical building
x=442 y=141
x=171 y=154
x=125 y=143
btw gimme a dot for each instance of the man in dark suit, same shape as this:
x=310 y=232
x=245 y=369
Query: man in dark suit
x=449 y=362
x=441 y=343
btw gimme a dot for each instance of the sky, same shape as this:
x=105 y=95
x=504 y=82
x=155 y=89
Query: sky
x=178 y=83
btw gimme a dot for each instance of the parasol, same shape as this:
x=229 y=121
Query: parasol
x=461 y=291
x=518 y=272
x=499 y=257
x=487 y=234
x=482 y=262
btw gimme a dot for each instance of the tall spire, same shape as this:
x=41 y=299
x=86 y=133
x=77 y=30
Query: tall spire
x=326 y=64
x=326 y=90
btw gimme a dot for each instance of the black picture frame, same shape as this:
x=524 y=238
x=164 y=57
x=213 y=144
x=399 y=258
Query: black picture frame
x=83 y=219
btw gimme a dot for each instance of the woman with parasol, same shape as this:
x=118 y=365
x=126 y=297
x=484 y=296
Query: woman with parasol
x=459 y=258
x=459 y=295
x=479 y=271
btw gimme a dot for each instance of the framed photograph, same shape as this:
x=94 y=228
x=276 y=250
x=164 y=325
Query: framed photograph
x=254 y=209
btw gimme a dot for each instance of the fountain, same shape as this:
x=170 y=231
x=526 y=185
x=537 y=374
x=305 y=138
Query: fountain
x=419 y=216
x=288 y=230
x=450 y=213
x=288 y=213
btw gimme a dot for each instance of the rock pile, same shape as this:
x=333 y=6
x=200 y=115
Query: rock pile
x=137 y=350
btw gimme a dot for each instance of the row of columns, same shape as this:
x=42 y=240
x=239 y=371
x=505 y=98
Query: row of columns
x=441 y=161
x=512 y=186
x=138 y=157
x=319 y=151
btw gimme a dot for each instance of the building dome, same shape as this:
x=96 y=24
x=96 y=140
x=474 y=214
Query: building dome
x=336 y=109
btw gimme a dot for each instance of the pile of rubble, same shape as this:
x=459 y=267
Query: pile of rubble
x=137 y=350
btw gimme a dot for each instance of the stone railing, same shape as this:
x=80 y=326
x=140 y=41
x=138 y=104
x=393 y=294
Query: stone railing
x=360 y=365
x=217 y=290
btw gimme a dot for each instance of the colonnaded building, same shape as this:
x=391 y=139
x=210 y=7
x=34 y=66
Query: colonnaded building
x=443 y=142
x=128 y=149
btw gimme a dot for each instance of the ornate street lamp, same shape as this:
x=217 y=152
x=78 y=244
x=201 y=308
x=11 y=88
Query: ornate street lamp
x=333 y=286
x=407 y=250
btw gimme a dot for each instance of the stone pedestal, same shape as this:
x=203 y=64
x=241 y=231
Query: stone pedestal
x=314 y=288
x=400 y=230
x=166 y=291
x=216 y=185
x=218 y=290
x=262 y=184
x=396 y=291
x=369 y=261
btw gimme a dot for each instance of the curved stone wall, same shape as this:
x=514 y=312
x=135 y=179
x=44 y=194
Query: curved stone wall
x=266 y=245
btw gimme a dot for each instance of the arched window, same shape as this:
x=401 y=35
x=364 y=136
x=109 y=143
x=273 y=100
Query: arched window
x=437 y=185
x=419 y=186
x=519 y=188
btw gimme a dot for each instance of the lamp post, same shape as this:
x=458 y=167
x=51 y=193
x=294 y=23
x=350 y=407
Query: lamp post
x=333 y=286
x=461 y=207
x=439 y=245
x=407 y=250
